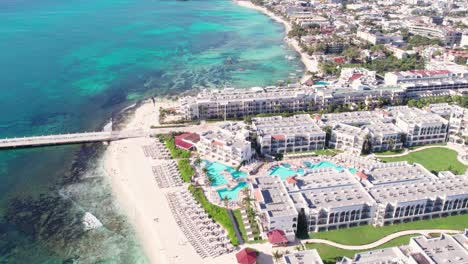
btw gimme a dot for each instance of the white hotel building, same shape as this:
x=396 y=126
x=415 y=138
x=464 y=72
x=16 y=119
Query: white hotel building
x=288 y=134
x=228 y=144
x=407 y=193
x=420 y=127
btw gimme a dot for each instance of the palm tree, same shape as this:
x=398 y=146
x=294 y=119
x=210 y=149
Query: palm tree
x=225 y=200
x=197 y=161
x=277 y=256
x=391 y=144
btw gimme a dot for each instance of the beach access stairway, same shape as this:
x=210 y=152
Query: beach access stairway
x=74 y=138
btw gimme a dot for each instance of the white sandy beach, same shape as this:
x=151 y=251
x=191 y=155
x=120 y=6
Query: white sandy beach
x=145 y=204
x=310 y=63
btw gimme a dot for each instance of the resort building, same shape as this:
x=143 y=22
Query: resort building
x=238 y=103
x=427 y=80
x=310 y=256
x=279 y=134
x=228 y=143
x=407 y=193
x=420 y=250
x=187 y=140
x=331 y=199
x=444 y=249
x=385 y=255
x=347 y=137
x=458 y=125
x=277 y=211
x=420 y=127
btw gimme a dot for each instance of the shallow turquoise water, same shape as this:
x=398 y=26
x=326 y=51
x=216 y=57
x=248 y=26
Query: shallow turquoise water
x=69 y=66
x=216 y=169
x=232 y=194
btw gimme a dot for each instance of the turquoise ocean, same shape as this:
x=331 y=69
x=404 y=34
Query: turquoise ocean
x=70 y=66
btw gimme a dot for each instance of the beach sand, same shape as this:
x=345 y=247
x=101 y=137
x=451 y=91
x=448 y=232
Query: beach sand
x=310 y=63
x=144 y=203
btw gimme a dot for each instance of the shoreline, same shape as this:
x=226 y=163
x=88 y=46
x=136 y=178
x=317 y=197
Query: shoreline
x=145 y=205
x=309 y=63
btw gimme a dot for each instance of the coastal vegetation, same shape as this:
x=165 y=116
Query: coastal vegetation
x=186 y=170
x=381 y=65
x=218 y=214
x=434 y=159
x=176 y=152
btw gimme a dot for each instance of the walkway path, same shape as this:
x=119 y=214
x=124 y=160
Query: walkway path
x=236 y=227
x=380 y=241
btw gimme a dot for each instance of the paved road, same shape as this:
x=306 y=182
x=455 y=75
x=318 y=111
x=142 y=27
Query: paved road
x=381 y=241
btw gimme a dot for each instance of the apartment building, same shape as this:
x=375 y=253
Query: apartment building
x=350 y=130
x=375 y=37
x=458 y=128
x=279 y=134
x=228 y=143
x=421 y=249
x=238 y=102
x=420 y=127
x=309 y=256
x=449 y=37
x=277 y=210
x=347 y=137
x=331 y=199
x=407 y=193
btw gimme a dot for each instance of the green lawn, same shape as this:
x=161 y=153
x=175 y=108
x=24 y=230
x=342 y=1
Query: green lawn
x=366 y=234
x=186 y=170
x=433 y=159
x=389 y=152
x=329 y=254
x=240 y=224
x=327 y=152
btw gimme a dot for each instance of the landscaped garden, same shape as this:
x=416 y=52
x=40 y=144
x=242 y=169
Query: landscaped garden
x=433 y=159
x=362 y=235
x=366 y=234
x=330 y=254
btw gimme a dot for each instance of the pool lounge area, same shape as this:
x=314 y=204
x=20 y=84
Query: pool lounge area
x=216 y=171
x=286 y=171
x=232 y=194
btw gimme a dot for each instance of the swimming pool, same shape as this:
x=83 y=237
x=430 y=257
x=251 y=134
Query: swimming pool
x=321 y=83
x=215 y=172
x=232 y=194
x=284 y=173
x=327 y=164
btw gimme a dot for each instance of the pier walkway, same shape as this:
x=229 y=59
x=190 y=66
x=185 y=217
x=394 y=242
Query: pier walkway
x=74 y=138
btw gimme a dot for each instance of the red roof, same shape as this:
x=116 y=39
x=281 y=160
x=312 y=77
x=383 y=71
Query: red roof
x=246 y=256
x=340 y=59
x=182 y=142
x=279 y=137
x=277 y=237
x=189 y=137
x=217 y=143
x=362 y=175
x=356 y=76
x=291 y=180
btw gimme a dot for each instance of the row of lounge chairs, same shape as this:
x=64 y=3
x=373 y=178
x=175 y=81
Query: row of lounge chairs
x=156 y=150
x=205 y=235
x=167 y=175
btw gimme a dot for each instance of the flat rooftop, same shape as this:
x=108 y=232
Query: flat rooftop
x=310 y=256
x=273 y=197
x=385 y=255
x=395 y=172
x=443 y=249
